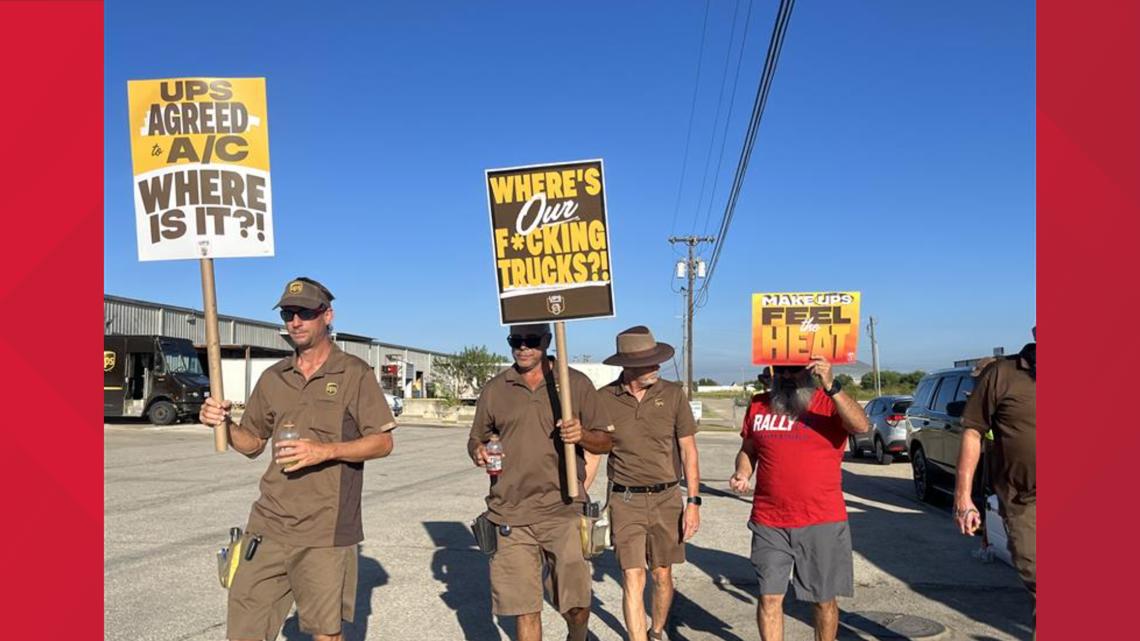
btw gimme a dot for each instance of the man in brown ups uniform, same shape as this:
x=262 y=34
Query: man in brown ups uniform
x=538 y=524
x=1005 y=400
x=307 y=519
x=653 y=438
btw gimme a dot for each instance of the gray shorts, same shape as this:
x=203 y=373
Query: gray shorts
x=817 y=557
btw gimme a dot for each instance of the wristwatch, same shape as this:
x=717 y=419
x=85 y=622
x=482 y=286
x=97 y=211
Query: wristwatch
x=694 y=500
x=836 y=387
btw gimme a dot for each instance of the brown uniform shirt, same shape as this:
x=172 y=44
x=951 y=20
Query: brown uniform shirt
x=532 y=484
x=1005 y=400
x=645 y=449
x=317 y=506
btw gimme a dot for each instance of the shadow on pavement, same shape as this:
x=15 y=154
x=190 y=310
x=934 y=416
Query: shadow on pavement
x=887 y=540
x=462 y=568
x=727 y=572
x=686 y=617
x=607 y=565
x=898 y=544
x=370 y=575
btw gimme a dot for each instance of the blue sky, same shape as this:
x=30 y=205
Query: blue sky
x=895 y=157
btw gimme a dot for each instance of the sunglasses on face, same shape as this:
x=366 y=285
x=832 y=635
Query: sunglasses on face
x=304 y=314
x=530 y=340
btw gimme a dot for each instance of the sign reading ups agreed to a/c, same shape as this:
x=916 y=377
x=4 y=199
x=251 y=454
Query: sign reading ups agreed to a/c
x=200 y=151
x=551 y=243
x=791 y=328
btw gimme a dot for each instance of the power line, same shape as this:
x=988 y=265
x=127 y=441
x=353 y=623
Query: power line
x=692 y=111
x=716 y=118
x=770 y=63
x=779 y=29
x=727 y=119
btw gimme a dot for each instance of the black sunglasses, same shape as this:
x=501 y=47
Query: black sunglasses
x=530 y=340
x=305 y=314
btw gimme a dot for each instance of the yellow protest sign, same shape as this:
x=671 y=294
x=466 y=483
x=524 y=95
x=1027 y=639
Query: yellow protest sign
x=791 y=328
x=200 y=154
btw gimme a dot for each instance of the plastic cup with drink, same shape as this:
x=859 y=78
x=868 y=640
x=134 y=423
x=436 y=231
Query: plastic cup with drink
x=288 y=432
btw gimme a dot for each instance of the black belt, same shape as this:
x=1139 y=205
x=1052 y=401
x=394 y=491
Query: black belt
x=644 y=489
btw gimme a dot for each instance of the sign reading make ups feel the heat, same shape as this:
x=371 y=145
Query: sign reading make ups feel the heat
x=791 y=328
x=551 y=242
x=200 y=151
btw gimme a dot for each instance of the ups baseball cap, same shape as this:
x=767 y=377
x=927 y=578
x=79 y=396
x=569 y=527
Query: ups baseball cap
x=530 y=329
x=305 y=292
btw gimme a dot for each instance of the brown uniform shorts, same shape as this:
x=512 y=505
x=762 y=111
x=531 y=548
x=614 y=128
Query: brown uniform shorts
x=517 y=567
x=1021 y=527
x=322 y=581
x=648 y=529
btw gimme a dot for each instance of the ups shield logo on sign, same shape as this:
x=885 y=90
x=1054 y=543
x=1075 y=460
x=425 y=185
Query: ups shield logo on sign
x=555 y=304
x=108 y=361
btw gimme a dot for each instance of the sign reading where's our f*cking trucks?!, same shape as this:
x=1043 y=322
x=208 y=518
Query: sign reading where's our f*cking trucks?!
x=200 y=151
x=551 y=242
x=791 y=328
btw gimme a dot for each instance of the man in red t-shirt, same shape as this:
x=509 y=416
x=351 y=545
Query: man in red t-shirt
x=794 y=437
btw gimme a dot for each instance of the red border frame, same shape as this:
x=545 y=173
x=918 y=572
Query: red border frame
x=1088 y=204
x=52 y=112
x=1088 y=208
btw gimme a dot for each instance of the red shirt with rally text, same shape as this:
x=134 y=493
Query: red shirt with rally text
x=798 y=463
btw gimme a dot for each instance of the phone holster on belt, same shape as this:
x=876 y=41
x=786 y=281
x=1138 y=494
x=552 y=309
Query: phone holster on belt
x=594 y=528
x=486 y=534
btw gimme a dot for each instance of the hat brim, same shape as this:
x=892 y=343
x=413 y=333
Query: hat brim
x=659 y=354
x=300 y=301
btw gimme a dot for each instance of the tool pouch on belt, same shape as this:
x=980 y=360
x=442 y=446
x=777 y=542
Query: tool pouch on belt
x=486 y=534
x=594 y=529
x=229 y=557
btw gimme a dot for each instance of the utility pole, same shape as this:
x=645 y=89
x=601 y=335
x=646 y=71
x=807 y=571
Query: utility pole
x=874 y=355
x=690 y=271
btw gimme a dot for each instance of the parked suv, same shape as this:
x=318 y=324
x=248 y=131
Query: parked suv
x=934 y=431
x=888 y=429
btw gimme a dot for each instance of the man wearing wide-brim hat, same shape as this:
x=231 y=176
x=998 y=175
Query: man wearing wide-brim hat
x=653 y=440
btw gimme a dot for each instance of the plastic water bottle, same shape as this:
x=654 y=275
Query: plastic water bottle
x=494 y=451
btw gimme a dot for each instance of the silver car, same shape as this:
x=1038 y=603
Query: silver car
x=887 y=437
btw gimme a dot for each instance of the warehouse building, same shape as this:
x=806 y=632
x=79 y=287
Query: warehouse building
x=249 y=347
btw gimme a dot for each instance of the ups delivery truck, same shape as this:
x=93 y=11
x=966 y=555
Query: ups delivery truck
x=154 y=376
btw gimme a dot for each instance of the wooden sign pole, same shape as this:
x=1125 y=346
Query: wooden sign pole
x=213 y=347
x=566 y=401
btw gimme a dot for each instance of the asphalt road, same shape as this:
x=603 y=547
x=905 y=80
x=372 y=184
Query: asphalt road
x=169 y=501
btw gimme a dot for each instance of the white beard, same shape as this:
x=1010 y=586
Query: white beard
x=791 y=401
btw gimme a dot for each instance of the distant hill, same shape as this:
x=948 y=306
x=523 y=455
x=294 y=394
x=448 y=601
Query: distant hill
x=855 y=370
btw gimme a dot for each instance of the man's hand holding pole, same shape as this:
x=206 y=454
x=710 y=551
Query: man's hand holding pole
x=567 y=404
x=215 y=413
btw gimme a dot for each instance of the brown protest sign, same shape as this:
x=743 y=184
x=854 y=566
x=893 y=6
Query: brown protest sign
x=550 y=240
